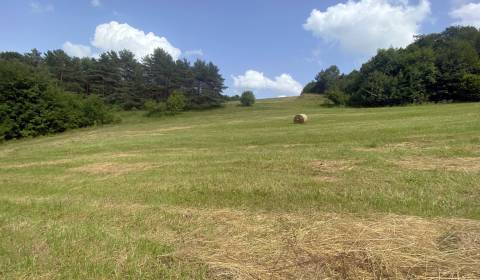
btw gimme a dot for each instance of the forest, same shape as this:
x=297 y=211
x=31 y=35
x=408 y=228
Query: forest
x=442 y=67
x=53 y=92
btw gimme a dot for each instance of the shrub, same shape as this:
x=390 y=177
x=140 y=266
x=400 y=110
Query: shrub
x=155 y=109
x=31 y=105
x=470 y=88
x=176 y=103
x=337 y=96
x=96 y=112
x=247 y=98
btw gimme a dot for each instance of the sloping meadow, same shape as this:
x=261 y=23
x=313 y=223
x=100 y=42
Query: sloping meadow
x=243 y=193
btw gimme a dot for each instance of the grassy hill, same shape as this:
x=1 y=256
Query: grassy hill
x=243 y=193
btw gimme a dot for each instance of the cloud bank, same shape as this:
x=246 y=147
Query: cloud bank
x=77 y=50
x=118 y=36
x=114 y=36
x=362 y=27
x=254 y=80
x=467 y=15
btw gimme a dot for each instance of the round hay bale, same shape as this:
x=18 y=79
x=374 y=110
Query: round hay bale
x=301 y=118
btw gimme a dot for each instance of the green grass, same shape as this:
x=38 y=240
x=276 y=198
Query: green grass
x=73 y=205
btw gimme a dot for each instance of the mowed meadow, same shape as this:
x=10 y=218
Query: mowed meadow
x=243 y=193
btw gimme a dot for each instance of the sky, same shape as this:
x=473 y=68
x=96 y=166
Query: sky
x=273 y=47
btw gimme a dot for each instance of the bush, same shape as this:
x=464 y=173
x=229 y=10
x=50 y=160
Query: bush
x=337 y=96
x=96 y=112
x=247 y=98
x=155 y=109
x=176 y=103
x=470 y=88
x=206 y=100
x=31 y=105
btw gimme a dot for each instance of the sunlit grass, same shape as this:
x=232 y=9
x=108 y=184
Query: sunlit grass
x=71 y=204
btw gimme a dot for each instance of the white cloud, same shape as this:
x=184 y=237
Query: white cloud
x=254 y=80
x=467 y=14
x=118 y=36
x=36 y=7
x=362 y=27
x=95 y=3
x=77 y=49
x=193 y=53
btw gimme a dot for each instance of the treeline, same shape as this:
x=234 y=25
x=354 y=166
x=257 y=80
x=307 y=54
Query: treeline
x=52 y=92
x=442 y=67
x=120 y=79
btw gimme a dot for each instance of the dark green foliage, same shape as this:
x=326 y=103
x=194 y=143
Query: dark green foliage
x=158 y=74
x=201 y=84
x=337 y=96
x=207 y=87
x=247 y=98
x=131 y=86
x=310 y=87
x=173 y=106
x=11 y=56
x=436 y=67
x=121 y=80
x=31 y=104
x=34 y=98
x=327 y=79
x=395 y=77
x=470 y=87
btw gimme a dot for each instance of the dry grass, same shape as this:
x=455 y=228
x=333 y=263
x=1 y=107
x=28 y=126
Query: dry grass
x=112 y=168
x=38 y=163
x=328 y=171
x=237 y=244
x=395 y=146
x=471 y=164
x=333 y=166
x=244 y=245
x=295 y=145
x=46 y=163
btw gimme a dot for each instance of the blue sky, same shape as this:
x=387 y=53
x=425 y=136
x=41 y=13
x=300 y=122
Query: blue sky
x=271 y=46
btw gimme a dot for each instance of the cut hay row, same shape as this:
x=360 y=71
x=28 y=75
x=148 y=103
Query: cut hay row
x=247 y=245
